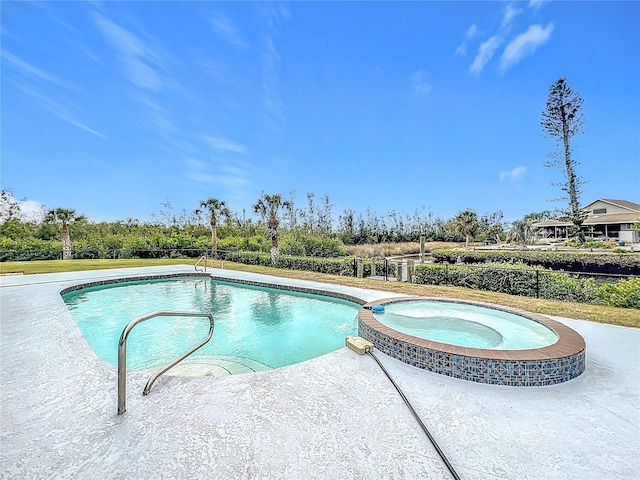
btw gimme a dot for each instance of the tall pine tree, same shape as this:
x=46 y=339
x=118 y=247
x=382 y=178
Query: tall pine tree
x=562 y=119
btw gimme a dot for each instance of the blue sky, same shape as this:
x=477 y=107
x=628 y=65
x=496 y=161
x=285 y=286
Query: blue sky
x=111 y=108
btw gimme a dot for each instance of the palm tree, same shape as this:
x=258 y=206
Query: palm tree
x=216 y=208
x=268 y=207
x=466 y=223
x=522 y=231
x=64 y=217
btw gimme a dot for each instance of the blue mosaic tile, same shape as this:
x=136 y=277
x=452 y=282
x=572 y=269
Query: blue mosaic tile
x=481 y=370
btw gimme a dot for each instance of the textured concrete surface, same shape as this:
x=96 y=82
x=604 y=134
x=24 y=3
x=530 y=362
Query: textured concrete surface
x=333 y=417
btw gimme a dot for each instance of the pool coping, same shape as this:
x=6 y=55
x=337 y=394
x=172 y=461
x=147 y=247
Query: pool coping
x=549 y=365
x=136 y=278
x=220 y=278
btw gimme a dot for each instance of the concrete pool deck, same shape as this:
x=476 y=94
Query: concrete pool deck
x=333 y=417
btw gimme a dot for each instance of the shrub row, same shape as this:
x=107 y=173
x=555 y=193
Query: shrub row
x=625 y=293
x=156 y=245
x=342 y=267
x=97 y=253
x=609 y=263
x=520 y=279
x=345 y=267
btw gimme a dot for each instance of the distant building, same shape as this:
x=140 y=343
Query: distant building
x=610 y=219
x=551 y=230
x=614 y=219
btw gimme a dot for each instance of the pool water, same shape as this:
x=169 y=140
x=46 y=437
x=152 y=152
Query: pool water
x=259 y=327
x=466 y=325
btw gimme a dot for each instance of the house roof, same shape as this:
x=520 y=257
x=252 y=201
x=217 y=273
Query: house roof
x=633 y=215
x=612 y=218
x=551 y=223
x=634 y=207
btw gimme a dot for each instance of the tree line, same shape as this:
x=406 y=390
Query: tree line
x=304 y=228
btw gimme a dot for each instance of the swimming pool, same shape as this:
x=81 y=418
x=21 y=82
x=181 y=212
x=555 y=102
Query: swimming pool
x=256 y=328
x=541 y=352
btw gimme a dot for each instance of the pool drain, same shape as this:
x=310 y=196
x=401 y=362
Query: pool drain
x=362 y=346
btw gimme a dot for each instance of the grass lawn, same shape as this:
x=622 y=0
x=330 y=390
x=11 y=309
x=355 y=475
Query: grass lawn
x=616 y=316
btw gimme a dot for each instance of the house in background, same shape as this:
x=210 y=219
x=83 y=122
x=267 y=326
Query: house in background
x=613 y=219
x=551 y=230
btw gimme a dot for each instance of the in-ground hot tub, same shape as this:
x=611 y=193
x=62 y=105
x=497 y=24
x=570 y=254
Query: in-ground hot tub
x=474 y=341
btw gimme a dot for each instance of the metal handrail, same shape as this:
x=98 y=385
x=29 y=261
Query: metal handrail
x=122 y=353
x=203 y=257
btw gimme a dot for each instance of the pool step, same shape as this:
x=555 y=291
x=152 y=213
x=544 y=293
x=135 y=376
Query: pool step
x=216 y=366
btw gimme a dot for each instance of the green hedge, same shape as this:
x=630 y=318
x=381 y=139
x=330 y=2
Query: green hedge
x=158 y=244
x=625 y=293
x=255 y=243
x=520 y=279
x=299 y=244
x=608 y=263
x=29 y=249
x=322 y=265
x=334 y=266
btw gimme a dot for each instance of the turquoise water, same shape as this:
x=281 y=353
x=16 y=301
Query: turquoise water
x=271 y=327
x=466 y=325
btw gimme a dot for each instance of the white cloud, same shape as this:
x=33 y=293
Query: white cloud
x=231 y=180
x=272 y=102
x=227 y=30
x=420 y=85
x=274 y=14
x=29 y=210
x=78 y=124
x=509 y=14
x=32 y=211
x=513 y=175
x=202 y=177
x=536 y=4
x=139 y=61
x=525 y=44
x=157 y=114
x=224 y=175
x=232 y=170
x=58 y=110
x=34 y=75
x=220 y=143
x=219 y=178
x=472 y=31
x=485 y=52
x=28 y=70
x=195 y=163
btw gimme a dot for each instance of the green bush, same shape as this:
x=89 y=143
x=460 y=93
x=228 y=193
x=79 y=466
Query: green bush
x=625 y=293
x=132 y=246
x=242 y=243
x=292 y=246
x=563 y=286
x=29 y=249
x=596 y=244
x=611 y=263
x=301 y=244
x=516 y=279
x=332 y=266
